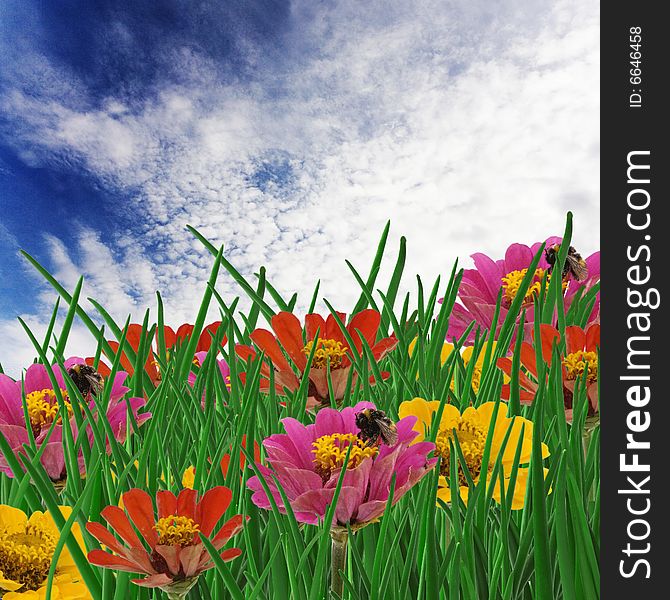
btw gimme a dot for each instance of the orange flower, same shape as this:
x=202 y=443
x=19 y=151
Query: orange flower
x=288 y=348
x=581 y=356
x=134 y=337
x=176 y=555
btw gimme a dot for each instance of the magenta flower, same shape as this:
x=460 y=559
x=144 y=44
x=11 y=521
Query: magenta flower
x=479 y=287
x=42 y=407
x=307 y=461
x=223 y=368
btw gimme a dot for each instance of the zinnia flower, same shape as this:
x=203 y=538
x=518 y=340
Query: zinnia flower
x=479 y=287
x=307 y=461
x=26 y=552
x=172 y=338
x=581 y=355
x=224 y=369
x=42 y=407
x=332 y=354
x=471 y=429
x=169 y=549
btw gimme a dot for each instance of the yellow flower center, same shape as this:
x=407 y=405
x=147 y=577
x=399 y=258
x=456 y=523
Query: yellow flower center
x=43 y=408
x=331 y=450
x=175 y=530
x=25 y=556
x=580 y=361
x=512 y=282
x=471 y=434
x=326 y=350
x=476 y=379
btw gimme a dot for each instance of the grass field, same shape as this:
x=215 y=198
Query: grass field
x=509 y=423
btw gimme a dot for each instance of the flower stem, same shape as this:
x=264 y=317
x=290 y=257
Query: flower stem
x=178 y=590
x=338 y=559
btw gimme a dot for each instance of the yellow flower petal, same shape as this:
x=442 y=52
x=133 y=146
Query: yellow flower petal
x=424 y=411
x=12 y=520
x=447 y=349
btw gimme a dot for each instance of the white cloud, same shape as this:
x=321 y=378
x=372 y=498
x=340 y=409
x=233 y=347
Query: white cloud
x=469 y=126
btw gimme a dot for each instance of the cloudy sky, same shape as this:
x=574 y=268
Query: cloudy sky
x=288 y=131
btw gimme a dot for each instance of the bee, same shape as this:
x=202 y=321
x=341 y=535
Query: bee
x=375 y=425
x=574 y=265
x=86 y=378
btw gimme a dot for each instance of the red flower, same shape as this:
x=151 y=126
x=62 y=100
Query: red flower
x=581 y=354
x=176 y=555
x=332 y=353
x=134 y=336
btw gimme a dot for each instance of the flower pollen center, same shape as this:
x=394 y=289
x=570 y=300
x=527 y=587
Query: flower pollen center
x=512 y=281
x=578 y=362
x=43 y=407
x=25 y=556
x=327 y=351
x=471 y=435
x=175 y=530
x=331 y=450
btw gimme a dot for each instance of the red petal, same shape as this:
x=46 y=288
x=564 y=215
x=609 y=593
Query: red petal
x=232 y=527
x=289 y=333
x=548 y=334
x=205 y=339
x=186 y=503
x=154 y=581
x=230 y=554
x=575 y=339
x=134 y=335
x=593 y=338
x=268 y=344
x=211 y=507
x=505 y=364
x=314 y=322
x=140 y=509
x=528 y=358
x=245 y=352
x=125 y=362
x=383 y=347
x=104 y=536
x=110 y=561
x=185 y=330
x=119 y=522
x=367 y=322
x=333 y=330
x=169 y=336
x=166 y=502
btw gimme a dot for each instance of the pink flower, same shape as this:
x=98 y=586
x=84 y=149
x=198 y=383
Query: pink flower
x=223 y=368
x=42 y=407
x=479 y=287
x=307 y=461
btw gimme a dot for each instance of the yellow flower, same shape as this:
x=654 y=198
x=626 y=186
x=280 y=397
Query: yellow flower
x=471 y=428
x=26 y=551
x=466 y=356
x=188 y=478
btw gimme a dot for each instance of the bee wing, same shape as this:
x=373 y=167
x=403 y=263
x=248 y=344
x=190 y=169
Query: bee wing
x=577 y=267
x=388 y=432
x=94 y=382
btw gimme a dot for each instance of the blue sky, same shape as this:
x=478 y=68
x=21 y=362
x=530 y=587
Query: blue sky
x=288 y=131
